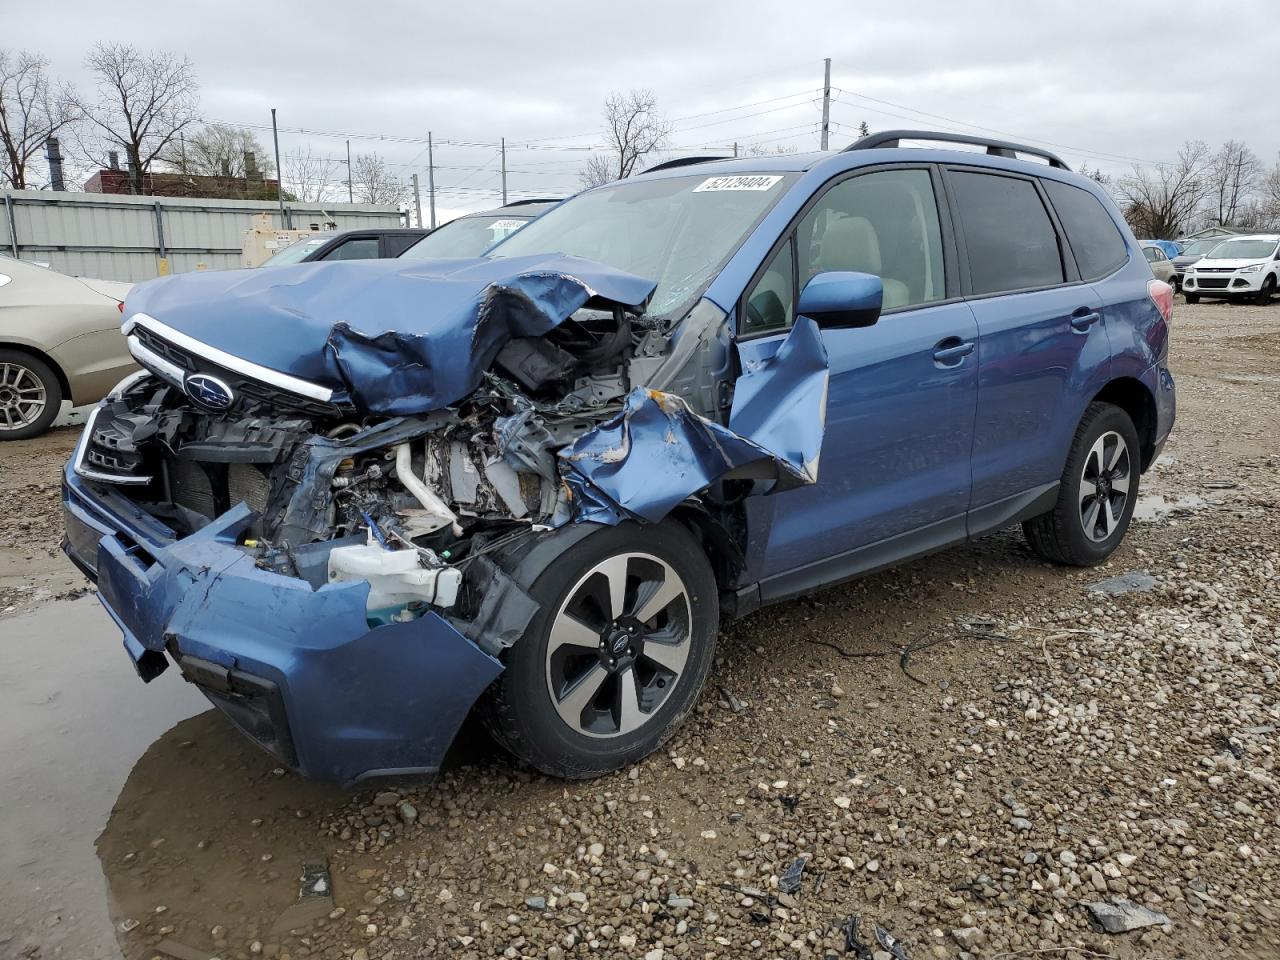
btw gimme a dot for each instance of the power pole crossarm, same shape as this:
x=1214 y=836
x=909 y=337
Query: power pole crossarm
x=826 y=101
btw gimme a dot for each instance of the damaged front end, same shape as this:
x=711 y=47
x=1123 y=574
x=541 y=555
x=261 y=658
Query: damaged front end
x=317 y=535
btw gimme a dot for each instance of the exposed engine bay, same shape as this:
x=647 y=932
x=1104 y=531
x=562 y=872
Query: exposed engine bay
x=590 y=411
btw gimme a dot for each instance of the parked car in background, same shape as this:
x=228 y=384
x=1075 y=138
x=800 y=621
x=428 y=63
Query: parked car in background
x=1161 y=265
x=59 y=340
x=473 y=234
x=372 y=243
x=1171 y=248
x=1191 y=252
x=351 y=503
x=1235 y=269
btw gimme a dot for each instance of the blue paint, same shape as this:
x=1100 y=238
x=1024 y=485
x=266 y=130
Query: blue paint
x=657 y=452
x=393 y=337
x=358 y=700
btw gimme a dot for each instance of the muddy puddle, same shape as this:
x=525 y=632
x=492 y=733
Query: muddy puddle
x=135 y=818
x=1157 y=506
x=73 y=721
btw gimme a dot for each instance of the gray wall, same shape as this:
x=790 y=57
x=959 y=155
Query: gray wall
x=123 y=237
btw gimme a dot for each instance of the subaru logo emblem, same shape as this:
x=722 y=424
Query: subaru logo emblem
x=208 y=391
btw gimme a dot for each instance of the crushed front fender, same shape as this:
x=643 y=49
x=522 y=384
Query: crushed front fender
x=657 y=452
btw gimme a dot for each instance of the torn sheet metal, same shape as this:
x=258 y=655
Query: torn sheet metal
x=389 y=336
x=657 y=452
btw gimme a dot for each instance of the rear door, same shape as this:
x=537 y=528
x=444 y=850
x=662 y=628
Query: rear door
x=1043 y=348
x=902 y=395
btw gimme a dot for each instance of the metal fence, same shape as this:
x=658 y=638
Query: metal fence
x=124 y=237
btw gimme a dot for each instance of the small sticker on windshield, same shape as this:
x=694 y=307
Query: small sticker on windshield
x=506 y=225
x=736 y=183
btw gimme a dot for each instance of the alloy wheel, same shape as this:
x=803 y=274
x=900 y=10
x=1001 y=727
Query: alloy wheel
x=22 y=397
x=1104 y=486
x=618 y=645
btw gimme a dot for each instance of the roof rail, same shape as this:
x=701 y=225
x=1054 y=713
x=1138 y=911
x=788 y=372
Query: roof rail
x=995 y=148
x=682 y=162
x=521 y=203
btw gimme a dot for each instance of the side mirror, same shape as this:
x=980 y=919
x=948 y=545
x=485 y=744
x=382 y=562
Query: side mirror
x=842 y=299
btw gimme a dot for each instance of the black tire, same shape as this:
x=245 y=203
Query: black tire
x=1059 y=536
x=1267 y=289
x=39 y=371
x=1192 y=297
x=519 y=709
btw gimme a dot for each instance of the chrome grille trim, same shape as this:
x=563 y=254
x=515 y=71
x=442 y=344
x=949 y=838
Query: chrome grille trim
x=248 y=368
x=78 y=459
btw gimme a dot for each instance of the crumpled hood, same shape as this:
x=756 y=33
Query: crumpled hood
x=390 y=336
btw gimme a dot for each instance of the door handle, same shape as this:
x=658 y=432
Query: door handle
x=952 y=350
x=1083 y=321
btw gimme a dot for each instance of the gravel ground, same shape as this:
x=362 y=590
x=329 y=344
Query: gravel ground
x=1044 y=746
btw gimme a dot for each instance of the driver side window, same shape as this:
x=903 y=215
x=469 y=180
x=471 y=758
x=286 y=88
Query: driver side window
x=883 y=223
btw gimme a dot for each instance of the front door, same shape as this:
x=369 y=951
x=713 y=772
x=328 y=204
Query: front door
x=900 y=411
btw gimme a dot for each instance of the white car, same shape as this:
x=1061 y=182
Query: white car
x=1236 y=268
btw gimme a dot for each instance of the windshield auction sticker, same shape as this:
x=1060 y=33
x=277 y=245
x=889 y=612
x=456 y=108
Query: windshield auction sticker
x=736 y=183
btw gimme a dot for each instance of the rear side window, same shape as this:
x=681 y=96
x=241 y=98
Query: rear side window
x=1093 y=235
x=1008 y=235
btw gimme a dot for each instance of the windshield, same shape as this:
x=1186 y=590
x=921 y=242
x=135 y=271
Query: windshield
x=676 y=231
x=464 y=237
x=1199 y=248
x=295 y=252
x=1242 y=250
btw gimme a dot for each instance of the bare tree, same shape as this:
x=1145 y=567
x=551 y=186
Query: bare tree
x=863 y=129
x=764 y=150
x=32 y=109
x=374 y=183
x=1166 y=200
x=144 y=101
x=1269 y=190
x=218 y=151
x=633 y=129
x=1235 y=172
x=308 y=176
x=599 y=170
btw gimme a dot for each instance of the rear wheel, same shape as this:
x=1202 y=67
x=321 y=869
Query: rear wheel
x=30 y=395
x=615 y=657
x=1097 y=492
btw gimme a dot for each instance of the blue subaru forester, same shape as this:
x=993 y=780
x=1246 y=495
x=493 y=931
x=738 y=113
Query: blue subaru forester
x=353 y=502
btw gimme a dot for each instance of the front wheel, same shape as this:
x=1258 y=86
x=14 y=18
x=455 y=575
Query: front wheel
x=1268 y=288
x=1192 y=297
x=30 y=395
x=616 y=655
x=1097 y=493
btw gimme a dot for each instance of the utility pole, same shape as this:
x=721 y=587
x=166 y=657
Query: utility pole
x=431 y=180
x=504 y=171
x=351 y=197
x=826 y=101
x=275 y=136
x=417 y=200
x=735 y=148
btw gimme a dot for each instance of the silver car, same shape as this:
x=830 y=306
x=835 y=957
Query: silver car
x=59 y=340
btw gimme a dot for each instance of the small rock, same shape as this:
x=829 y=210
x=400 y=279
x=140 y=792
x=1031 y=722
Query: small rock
x=1123 y=916
x=388 y=798
x=967 y=937
x=536 y=903
x=842 y=802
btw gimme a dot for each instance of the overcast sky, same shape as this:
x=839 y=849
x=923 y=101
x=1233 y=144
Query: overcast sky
x=1103 y=83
